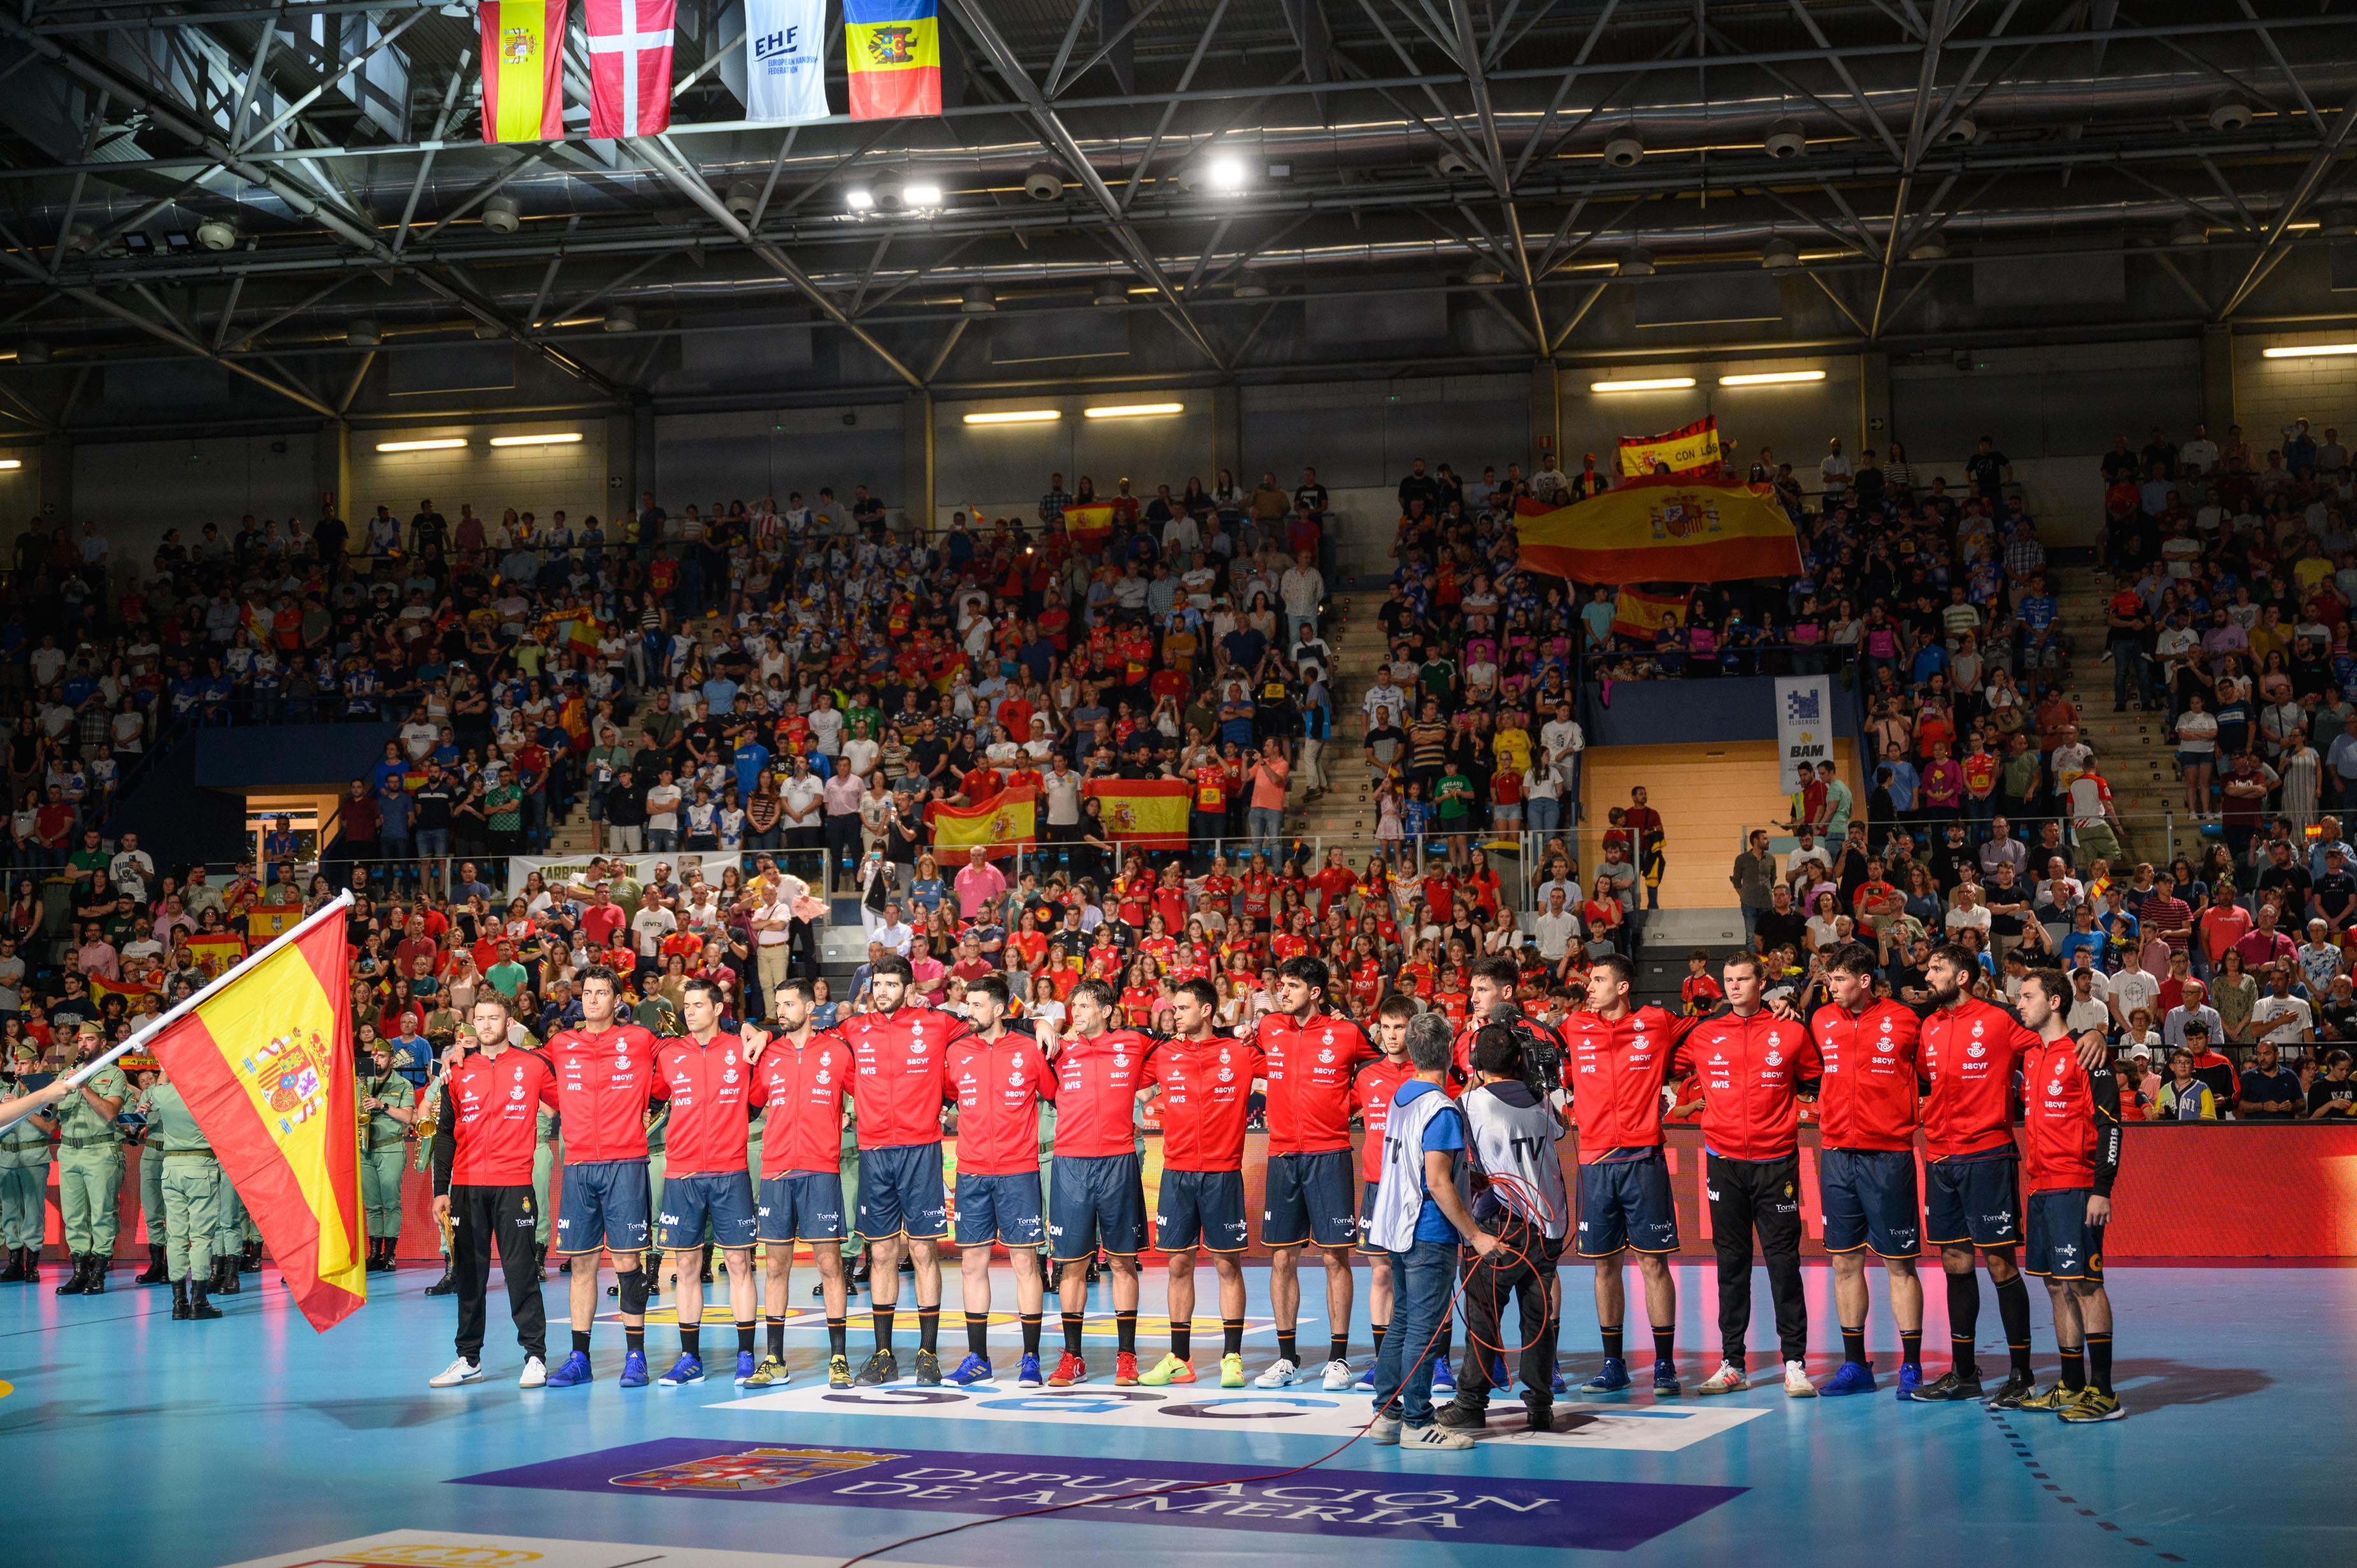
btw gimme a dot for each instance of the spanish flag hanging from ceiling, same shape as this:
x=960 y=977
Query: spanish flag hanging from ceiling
x=266 y=1065
x=893 y=50
x=1660 y=530
x=523 y=65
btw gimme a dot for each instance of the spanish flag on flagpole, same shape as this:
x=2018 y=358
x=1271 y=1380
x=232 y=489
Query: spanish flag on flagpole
x=892 y=52
x=523 y=69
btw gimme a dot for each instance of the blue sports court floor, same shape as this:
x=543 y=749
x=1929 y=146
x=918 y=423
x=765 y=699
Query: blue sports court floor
x=126 y=1438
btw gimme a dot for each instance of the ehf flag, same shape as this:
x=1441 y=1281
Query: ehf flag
x=785 y=71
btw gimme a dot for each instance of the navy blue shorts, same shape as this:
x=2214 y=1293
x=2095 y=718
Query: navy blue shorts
x=603 y=1204
x=1973 y=1202
x=1004 y=1208
x=1870 y=1202
x=2062 y=1245
x=900 y=1193
x=1200 y=1208
x=1626 y=1204
x=1367 y=1191
x=802 y=1205
x=724 y=1198
x=1311 y=1197
x=1096 y=1198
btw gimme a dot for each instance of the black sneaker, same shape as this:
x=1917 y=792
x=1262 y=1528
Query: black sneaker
x=1540 y=1417
x=1951 y=1386
x=1462 y=1418
x=2017 y=1387
x=928 y=1370
x=883 y=1368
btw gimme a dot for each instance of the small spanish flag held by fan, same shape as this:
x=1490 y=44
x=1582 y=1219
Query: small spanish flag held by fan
x=893 y=55
x=1639 y=612
x=264 y=1061
x=1089 y=525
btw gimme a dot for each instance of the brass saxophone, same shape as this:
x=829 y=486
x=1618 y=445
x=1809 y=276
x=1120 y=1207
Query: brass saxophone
x=422 y=1126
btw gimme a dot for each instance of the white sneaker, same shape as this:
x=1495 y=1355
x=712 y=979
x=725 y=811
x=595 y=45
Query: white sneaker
x=461 y=1371
x=1434 y=1436
x=535 y=1373
x=1797 y=1382
x=1385 y=1431
x=1338 y=1377
x=1280 y=1375
x=1728 y=1380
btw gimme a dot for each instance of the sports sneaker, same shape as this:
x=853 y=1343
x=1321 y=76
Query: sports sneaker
x=573 y=1373
x=928 y=1370
x=1026 y=1372
x=1950 y=1387
x=1070 y=1370
x=972 y=1371
x=1434 y=1436
x=1444 y=1376
x=1611 y=1379
x=461 y=1371
x=2009 y=1395
x=1338 y=1377
x=1500 y=1379
x=1728 y=1380
x=1556 y=1384
x=1167 y=1371
x=882 y=1367
x=2050 y=1400
x=1231 y=1371
x=838 y=1372
x=1385 y=1431
x=744 y=1367
x=634 y=1369
x=1797 y=1382
x=1850 y=1378
x=1365 y=1383
x=685 y=1370
x=1460 y=1417
x=770 y=1374
x=1280 y=1374
x=534 y=1375
x=1666 y=1385
x=2093 y=1405
x=1910 y=1380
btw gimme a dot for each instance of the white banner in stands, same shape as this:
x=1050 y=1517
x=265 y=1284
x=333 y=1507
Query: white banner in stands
x=1804 y=725
x=558 y=869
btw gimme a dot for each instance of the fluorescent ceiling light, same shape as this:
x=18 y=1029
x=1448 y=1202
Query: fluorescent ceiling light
x=1134 y=410
x=2310 y=351
x=439 y=443
x=562 y=438
x=1772 y=378
x=1656 y=383
x=7 y=463
x=1016 y=416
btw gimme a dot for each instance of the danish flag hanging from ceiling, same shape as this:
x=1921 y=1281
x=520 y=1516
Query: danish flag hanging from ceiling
x=629 y=67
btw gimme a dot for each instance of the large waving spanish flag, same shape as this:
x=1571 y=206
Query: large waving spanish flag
x=1660 y=530
x=893 y=54
x=1006 y=822
x=523 y=69
x=1148 y=813
x=266 y=1065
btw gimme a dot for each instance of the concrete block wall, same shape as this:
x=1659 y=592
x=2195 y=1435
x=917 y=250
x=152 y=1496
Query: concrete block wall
x=2271 y=393
x=538 y=479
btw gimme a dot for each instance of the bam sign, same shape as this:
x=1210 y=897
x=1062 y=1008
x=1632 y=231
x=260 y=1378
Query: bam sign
x=1804 y=725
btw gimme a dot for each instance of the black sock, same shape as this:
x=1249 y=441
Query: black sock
x=1612 y=1345
x=928 y=1326
x=1665 y=1342
x=1910 y=1348
x=1232 y=1336
x=776 y=1326
x=837 y=1331
x=1338 y=1347
x=1073 y=1333
x=977 y=1334
x=581 y=1340
x=1377 y=1330
x=1182 y=1338
x=1963 y=1321
x=744 y=1339
x=2099 y=1362
x=634 y=1340
x=2013 y=1311
x=2074 y=1366
x=1287 y=1350
x=691 y=1341
x=881 y=1318
x=1124 y=1328
x=1446 y=1350
x=1032 y=1332
x=1853 y=1343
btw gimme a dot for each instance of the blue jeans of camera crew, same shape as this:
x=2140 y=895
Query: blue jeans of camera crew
x=1421 y=1280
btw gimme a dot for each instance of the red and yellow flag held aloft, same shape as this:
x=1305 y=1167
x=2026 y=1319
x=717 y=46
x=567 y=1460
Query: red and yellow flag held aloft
x=266 y=1065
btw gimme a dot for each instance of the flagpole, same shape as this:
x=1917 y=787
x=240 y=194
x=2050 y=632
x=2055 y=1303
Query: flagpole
x=336 y=904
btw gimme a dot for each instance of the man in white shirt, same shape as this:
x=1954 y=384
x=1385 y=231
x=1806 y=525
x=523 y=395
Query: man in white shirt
x=1563 y=740
x=419 y=736
x=1969 y=915
x=1181 y=536
x=1303 y=590
x=1834 y=470
x=1557 y=927
x=895 y=933
x=2132 y=989
x=1385 y=692
x=651 y=924
x=132 y=869
x=2202 y=453
x=1806 y=849
x=2280 y=1018
x=2087 y=1010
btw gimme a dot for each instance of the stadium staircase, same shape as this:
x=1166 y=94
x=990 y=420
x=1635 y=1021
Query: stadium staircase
x=1347 y=810
x=2132 y=750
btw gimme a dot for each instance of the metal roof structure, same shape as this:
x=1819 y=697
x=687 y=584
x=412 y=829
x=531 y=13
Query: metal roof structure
x=293 y=194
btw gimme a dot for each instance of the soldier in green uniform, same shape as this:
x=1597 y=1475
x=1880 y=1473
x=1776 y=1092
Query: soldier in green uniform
x=89 y=1168
x=25 y=1180
x=387 y=1104
x=192 y=1184
x=229 y=1240
x=151 y=1176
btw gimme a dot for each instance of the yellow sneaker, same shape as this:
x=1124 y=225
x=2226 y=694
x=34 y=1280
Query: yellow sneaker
x=1169 y=1369
x=1231 y=1371
x=770 y=1373
x=838 y=1372
x=2093 y=1405
x=2051 y=1399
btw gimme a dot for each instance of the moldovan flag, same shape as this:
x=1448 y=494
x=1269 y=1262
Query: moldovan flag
x=893 y=50
x=629 y=66
x=1004 y=823
x=1088 y=525
x=1148 y=813
x=265 y=1063
x=1639 y=612
x=524 y=63
x=1688 y=450
x=1660 y=530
